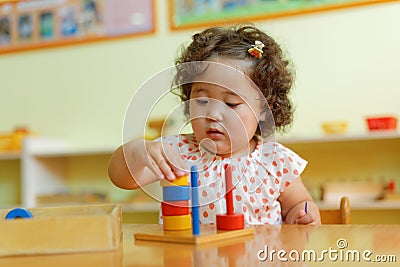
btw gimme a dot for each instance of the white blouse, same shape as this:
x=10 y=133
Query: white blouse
x=258 y=178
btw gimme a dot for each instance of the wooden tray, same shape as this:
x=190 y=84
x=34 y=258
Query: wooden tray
x=62 y=230
x=208 y=234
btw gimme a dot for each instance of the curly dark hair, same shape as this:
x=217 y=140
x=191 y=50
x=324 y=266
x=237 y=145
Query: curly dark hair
x=271 y=72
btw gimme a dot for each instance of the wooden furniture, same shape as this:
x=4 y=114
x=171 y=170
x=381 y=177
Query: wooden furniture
x=48 y=172
x=372 y=157
x=337 y=216
x=55 y=230
x=381 y=240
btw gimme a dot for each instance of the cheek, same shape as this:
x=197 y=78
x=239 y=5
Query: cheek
x=236 y=127
x=195 y=114
x=252 y=125
x=197 y=125
x=245 y=123
x=192 y=111
x=244 y=118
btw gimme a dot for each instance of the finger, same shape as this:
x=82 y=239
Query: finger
x=159 y=162
x=177 y=165
x=301 y=213
x=166 y=169
x=150 y=156
x=174 y=160
x=306 y=218
x=155 y=169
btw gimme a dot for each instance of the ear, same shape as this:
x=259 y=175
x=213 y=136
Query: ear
x=262 y=116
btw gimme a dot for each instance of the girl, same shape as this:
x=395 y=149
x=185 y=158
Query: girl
x=234 y=83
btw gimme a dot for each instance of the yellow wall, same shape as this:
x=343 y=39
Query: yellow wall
x=347 y=65
x=10 y=181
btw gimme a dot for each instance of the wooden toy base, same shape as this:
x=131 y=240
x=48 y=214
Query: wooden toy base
x=208 y=234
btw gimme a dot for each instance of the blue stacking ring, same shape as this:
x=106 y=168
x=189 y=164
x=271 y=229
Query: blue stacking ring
x=18 y=213
x=176 y=193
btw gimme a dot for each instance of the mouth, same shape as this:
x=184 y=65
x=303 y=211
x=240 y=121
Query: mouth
x=214 y=133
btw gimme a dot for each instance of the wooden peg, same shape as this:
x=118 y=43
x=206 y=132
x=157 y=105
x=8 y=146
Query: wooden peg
x=195 y=201
x=230 y=220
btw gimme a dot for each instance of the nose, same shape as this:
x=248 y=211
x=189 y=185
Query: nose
x=215 y=110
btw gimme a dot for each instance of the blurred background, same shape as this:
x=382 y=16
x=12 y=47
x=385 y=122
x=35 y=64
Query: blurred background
x=69 y=69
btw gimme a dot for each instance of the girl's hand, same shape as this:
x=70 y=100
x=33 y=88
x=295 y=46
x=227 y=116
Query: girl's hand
x=305 y=218
x=164 y=161
x=293 y=201
x=141 y=162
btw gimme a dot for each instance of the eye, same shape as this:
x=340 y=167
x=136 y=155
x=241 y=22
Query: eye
x=232 y=105
x=201 y=101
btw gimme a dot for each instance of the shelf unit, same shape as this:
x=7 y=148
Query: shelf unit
x=48 y=166
x=330 y=138
x=370 y=157
x=10 y=155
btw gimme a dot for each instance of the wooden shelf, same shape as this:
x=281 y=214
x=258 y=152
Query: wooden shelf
x=75 y=152
x=10 y=155
x=47 y=166
x=364 y=205
x=341 y=137
x=369 y=157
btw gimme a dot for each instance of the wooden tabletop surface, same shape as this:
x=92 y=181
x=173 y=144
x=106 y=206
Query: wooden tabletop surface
x=286 y=245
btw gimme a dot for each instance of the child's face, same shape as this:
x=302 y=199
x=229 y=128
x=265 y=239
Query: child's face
x=225 y=109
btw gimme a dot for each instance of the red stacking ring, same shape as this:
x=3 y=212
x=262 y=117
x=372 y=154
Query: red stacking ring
x=233 y=221
x=175 y=208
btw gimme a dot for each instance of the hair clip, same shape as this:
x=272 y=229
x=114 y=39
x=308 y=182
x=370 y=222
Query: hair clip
x=256 y=49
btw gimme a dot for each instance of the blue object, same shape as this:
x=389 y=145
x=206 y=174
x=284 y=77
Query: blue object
x=195 y=201
x=18 y=213
x=176 y=193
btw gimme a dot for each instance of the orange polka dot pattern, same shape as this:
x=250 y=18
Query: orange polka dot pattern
x=259 y=178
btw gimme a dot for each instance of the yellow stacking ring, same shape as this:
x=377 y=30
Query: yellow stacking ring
x=173 y=223
x=181 y=181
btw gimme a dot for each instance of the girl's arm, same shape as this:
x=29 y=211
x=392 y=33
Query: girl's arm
x=293 y=201
x=141 y=162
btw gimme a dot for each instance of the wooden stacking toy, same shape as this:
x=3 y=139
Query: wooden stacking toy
x=230 y=220
x=175 y=205
x=176 y=214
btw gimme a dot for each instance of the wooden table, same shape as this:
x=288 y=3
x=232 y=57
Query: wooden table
x=286 y=242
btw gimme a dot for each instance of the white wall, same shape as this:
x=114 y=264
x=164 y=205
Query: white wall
x=346 y=60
